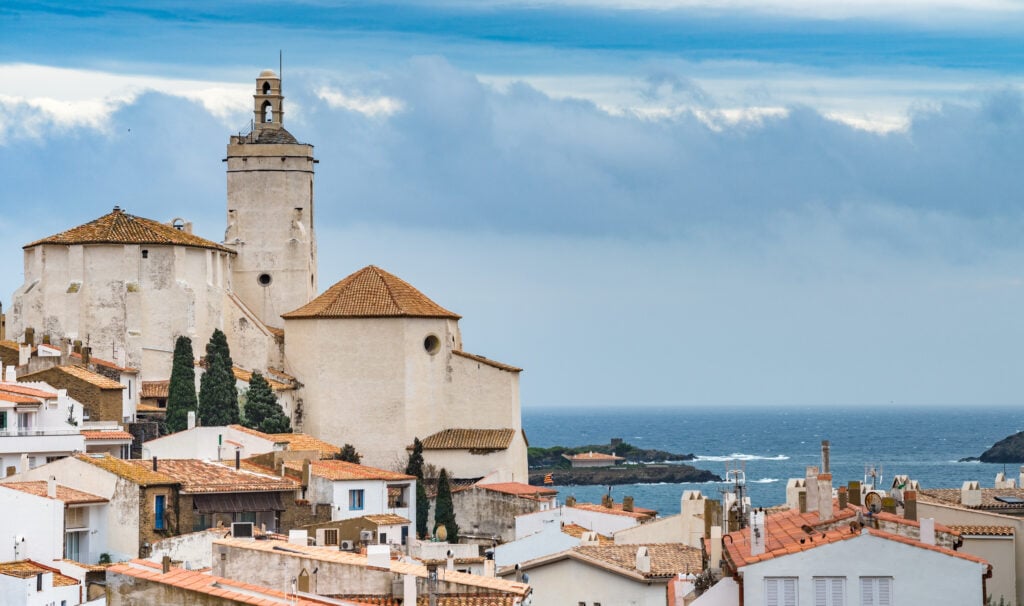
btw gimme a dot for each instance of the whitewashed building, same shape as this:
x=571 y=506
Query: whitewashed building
x=37 y=424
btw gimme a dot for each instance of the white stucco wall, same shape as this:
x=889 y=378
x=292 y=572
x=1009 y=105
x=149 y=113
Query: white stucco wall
x=38 y=519
x=22 y=592
x=601 y=523
x=919 y=575
x=550 y=540
x=211 y=443
x=662 y=530
x=375 y=498
x=570 y=582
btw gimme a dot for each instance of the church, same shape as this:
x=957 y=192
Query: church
x=374 y=361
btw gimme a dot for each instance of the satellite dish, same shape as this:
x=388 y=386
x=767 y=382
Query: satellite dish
x=873 y=502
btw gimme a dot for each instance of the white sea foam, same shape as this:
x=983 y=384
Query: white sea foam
x=765 y=481
x=739 y=456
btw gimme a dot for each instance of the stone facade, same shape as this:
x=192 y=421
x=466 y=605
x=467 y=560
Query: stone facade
x=101 y=398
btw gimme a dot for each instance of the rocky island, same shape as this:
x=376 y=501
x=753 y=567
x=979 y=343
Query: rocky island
x=1008 y=450
x=633 y=466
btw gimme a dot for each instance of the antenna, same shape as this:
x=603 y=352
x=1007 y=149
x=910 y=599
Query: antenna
x=738 y=503
x=280 y=64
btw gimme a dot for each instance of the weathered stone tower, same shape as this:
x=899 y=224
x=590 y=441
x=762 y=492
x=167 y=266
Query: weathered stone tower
x=270 y=210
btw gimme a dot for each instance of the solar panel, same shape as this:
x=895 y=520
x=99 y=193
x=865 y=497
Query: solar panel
x=1011 y=500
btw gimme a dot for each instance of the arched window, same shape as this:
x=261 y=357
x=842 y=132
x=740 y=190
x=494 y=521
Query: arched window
x=266 y=88
x=268 y=112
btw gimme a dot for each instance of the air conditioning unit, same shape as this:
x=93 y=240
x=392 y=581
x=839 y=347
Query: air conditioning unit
x=346 y=545
x=365 y=536
x=242 y=530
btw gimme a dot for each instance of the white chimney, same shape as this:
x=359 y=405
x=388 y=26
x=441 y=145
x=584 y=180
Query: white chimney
x=643 y=560
x=298 y=537
x=716 y=548
x=1020 y=480
x=23 y=467
x=757 y=536
x=488 y=569
x=11 y=374
x=589 y=538
x=409 y=589
x=51 y=487
x=191 y=419
x=24 y=353
x=812 y=488
x=450 y=563
x=691 y=508
x=928 y=531
x=970 y=494
x=793 y=489
x=1000 y=480
x=824 y=496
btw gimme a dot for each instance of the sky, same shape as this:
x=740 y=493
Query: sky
x=676 y=203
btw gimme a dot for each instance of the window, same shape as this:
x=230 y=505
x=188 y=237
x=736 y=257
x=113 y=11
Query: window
x=3 y=420
x=330 y=536
x=383 y=538
x=74 y=517
x=876 y=591
x=355 y=499
x=829 y=591
x=72 y=546
x=780 y=591
x=159 y=505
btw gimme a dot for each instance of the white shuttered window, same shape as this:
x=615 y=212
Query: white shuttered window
x=780 y=591
x=829 y=591
x=876 y=591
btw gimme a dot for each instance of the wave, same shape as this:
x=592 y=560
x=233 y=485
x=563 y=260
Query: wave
x=739 y=456
x=765 y=481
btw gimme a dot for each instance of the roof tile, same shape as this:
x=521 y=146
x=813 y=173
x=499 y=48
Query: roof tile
x=118 y=227
x=469 y=439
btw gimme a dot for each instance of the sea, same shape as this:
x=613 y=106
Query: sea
x=772 y=444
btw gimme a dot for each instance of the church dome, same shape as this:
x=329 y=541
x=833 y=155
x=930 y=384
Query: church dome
x=371 y=292
x=118 y=227
x=267 y=73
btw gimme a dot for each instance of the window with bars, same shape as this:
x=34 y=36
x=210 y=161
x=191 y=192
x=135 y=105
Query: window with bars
x=780 y=591
x=330 y=536
x=829 y=591
x=876 y=591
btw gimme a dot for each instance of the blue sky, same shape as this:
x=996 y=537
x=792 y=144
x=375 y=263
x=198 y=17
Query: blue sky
x=678 y=203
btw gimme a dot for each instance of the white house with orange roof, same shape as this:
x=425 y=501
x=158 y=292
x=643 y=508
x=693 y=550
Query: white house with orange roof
x=31 y=583
x=57 y=521
x=37 y=424
x=593 y=459
x=599 y=518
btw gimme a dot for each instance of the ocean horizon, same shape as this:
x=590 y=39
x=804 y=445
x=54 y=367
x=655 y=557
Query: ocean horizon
x=774 y=443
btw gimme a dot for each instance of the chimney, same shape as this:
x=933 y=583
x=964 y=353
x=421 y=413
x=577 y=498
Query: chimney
x=305 y=472
x=30 y=336
x=855 y=498
x=488 y=569
x=46 y=339
x=794 y=486
x=802 y=501
x=643 y=560
x=824 y=496
x=1000 y=481
x=165 y=564
x=812 y=488
x=570 y=501
x=24 y=354
x=910 y=504
x=51 y=487
x=23 y=467
x=928 y=531
x=86 y=355
x=76 y=347
x=607 y=501
x=825 y=450
x=844 y=498
x=970 y=494
x=450 y=563
x=889 y=504
x=1020 y=480
x=715 y=562
x=11 y=374
x=191 y=419
x=589 y=538
x=627 y=503
x=757 y=537
x=154 y=463
x=238 y=460
x=409 y=588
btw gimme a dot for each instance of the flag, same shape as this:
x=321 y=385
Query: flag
x=548 y=479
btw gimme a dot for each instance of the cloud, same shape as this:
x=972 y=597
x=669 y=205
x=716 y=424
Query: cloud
x=369 y=106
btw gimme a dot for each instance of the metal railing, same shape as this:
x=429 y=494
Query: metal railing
x=36 y=431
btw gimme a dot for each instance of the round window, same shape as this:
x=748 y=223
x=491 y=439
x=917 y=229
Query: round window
x=264 y=279
x=432 y=344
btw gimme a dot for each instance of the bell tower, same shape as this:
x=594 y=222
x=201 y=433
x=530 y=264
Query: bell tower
x=270 y=210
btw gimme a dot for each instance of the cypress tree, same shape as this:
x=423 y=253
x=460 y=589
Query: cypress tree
x=218 y=396
x=444 y=509
x=415 y=468
x=262 y=411
x=415 y=465
x=181 y=393
x=348 y=453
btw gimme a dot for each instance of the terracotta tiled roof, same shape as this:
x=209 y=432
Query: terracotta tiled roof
x=469 y=439
x=106 y=363
x=333 y=469
x=257 y=433
x=575 y=530
x=519 y=489
x=985 y=531
x=371 y=292
x=793 y=532
x=97 y=380
x=26 y=569
x=150 y=408
x=197 y=476
x=118 y=434
x=593 y=456
x=272 y=136
x=154 y=389
x=616 y=509
x=14 y=398
x=301 y=441
x=64 y=493
x=27 y=391
x=328 y=554
x=118 y=227
x=139 y=474
x=12 y=345
x=989 y=497
x=219 y=588
x=244 y=375
x=386 y=519
x=667 y=559
x=486 y=361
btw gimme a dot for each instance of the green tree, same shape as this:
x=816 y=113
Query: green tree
x=444 y=508
x=218 y=396
x=181 y=393
x=348 y=453
x=415 y=468
x=262 y=410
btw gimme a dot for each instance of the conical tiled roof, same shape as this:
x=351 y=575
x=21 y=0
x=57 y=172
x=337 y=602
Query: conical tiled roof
x=118 y=227
x=371 y=292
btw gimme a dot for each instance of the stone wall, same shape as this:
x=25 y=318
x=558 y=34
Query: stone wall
x=299 y=513
x=99 y=404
